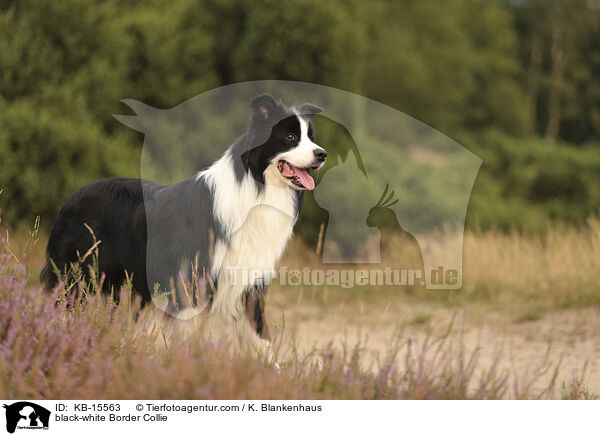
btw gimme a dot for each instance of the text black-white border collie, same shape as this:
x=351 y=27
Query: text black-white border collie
x=238 y=213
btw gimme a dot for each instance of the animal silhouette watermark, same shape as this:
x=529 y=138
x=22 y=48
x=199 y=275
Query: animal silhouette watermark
x=26 y=415
x=392 y=196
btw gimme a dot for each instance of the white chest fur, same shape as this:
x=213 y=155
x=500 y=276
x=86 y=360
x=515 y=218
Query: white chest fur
x=258 y=226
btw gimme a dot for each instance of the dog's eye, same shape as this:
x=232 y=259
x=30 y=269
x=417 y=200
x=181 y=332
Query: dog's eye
x=290 y=137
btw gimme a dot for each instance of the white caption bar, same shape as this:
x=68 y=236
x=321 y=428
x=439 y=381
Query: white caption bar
x=297 y=417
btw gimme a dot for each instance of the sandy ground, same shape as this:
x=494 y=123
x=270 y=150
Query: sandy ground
x=568 y=338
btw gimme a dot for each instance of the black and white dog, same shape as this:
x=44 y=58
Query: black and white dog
x=238 y=213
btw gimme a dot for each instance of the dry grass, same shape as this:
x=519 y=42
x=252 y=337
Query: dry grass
x=529 y=273
x=556 y=270
x=96 y=349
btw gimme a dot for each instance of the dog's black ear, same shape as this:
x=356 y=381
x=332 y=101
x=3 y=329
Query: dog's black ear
x=309 y=109
x=265 y=106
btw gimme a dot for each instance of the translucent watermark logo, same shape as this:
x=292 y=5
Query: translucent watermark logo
x=386 y=208
x=344 y=278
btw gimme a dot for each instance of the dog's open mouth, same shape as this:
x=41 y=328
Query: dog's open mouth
x=298 y=176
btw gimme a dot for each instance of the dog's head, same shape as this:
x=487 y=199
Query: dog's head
x=280 y=147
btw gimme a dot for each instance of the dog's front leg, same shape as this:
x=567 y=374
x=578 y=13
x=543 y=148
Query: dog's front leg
x=254 y=307
x=253 y=301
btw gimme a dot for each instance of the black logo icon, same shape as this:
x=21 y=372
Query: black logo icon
x=24 y=414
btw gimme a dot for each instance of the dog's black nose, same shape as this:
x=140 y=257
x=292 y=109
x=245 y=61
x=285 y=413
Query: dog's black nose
x=320 y=154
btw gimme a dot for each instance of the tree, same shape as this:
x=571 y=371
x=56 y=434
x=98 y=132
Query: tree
x=307 y=40
x=560 y=51
x=455 y=67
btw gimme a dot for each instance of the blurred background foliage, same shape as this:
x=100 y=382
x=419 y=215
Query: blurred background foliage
x=514 y=81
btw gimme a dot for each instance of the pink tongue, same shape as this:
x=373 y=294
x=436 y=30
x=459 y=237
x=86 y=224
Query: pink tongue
x=304 y=178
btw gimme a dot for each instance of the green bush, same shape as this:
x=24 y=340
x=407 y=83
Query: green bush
x=46 y=155
x=524 y=183
x=168 y=52
x=64 y=55
x=308 y=40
